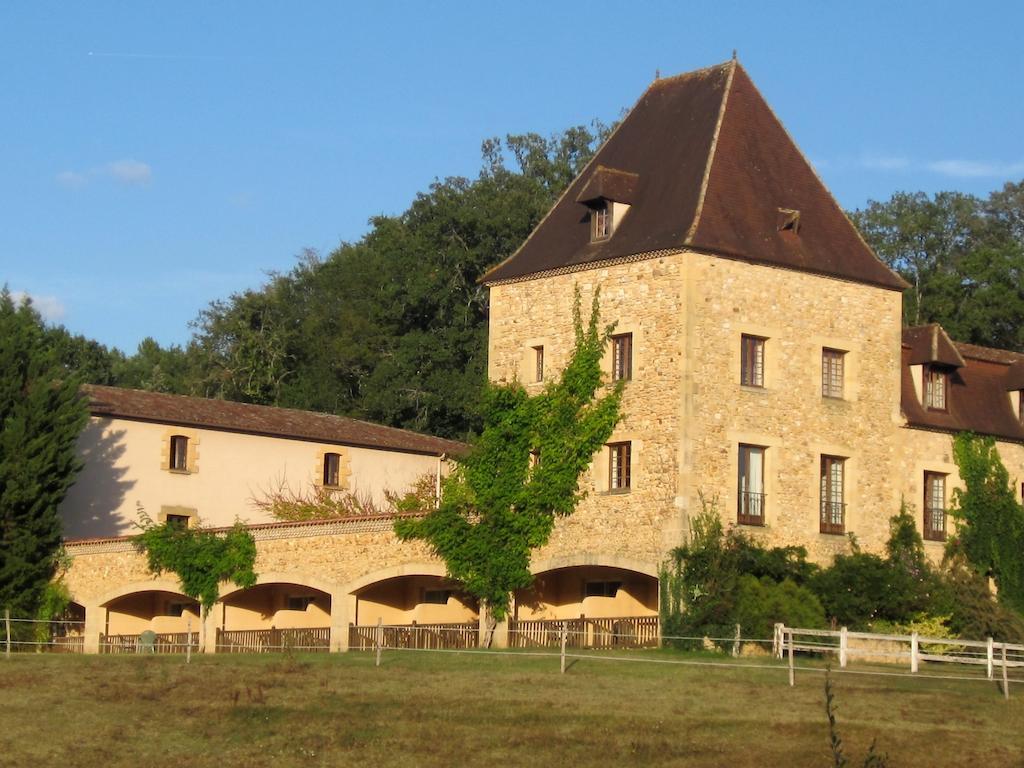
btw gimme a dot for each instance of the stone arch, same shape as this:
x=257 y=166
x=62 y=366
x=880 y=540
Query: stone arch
x=594 y=558
x=299 y=578
x=395 y=571
x=123 y=590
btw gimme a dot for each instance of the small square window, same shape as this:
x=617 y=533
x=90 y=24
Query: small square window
x=177 y=521
x=832 y=364
x=178 y=460
x=619 y=460
x=622 y=357
x=538 y=359
x=752 y=361
x=601 y=221
x=936 y=382
x=833 y=508
x=332 y=470
x=601 y=588
x=437 y=596
x=299 y=602
x=934 y=506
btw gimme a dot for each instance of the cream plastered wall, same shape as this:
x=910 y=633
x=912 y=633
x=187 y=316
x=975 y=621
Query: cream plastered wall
x=125 y=466
x=265 y=607
x=799 y=314
x=686 y=412
x=645 y=298
x=561 y=595
x=401 y=601
x=932 y=451
x=136 y=613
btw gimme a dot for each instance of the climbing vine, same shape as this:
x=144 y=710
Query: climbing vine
x=199 y=557
x=501 y=501
x=991 y=520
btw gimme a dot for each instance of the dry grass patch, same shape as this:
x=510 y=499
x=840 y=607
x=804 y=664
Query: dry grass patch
x=473 y=709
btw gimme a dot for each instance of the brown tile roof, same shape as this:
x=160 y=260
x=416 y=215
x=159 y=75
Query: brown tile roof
x=713 y=167
x=206 y=413
x=977 y=399
x=930 y=344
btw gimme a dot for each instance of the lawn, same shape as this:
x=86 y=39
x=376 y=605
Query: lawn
x=468 y=709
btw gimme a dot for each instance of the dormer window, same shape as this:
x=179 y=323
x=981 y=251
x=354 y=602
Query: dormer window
x=936 y=384
x=601 y=220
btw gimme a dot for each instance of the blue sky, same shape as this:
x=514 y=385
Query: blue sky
x=157 y=156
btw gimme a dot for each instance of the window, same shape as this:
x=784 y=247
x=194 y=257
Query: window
x=601 y=588
x=622 y=357
x=935 y=380
x=832 y=373
x=618 y=466
x=601 y=221
x=833 y=510
x=934 y=506
x=538 y=357
x=298 y=602
x=750 y=497
x=179 y=453
x=437 y=596
x=752 y=361
x=176 y=521
x=332 y=470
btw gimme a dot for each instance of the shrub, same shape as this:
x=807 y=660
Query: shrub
x=761 y=603
x=975 y=613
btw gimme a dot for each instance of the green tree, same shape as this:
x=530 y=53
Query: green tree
x=201 y=559
x=963 y=257
x=41 y=415
x=990 y=530
x=502 y=500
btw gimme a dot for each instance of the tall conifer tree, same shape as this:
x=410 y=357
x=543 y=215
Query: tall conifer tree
x=41 y=415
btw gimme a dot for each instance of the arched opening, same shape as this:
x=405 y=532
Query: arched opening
x=67 y=631
x=272 y=617
x=152 y=619
x=597 y=606
x=416 y=611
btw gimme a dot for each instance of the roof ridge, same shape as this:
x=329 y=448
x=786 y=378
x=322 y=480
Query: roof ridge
x=688 y=240
x=687 y=75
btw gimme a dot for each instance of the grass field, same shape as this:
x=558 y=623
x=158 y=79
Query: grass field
x=470 y=709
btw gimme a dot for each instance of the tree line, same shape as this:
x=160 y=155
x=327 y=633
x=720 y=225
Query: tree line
x=392 y=328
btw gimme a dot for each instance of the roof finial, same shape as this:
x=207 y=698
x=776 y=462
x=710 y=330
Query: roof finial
x=657 y=74
x=734 y=54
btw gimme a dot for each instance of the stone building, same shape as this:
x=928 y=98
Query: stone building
x=768 y=375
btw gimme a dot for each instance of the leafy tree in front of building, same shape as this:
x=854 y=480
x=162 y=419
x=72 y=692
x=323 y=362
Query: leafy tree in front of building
x=41 y=416
x=502 y=500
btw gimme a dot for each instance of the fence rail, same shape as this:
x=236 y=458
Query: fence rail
x=910 y=649
x=603 y=633
x=313 y=639
x=166 y=642
x=416 y=636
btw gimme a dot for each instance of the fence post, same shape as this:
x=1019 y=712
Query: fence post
x=914 y=651
x=844 y=645
x=563 y=647
x=792 y=671
x=736 y=643
x=777 y=649
x=1006 y=681
x=379 y=637
x=188 y=641
x=989 y=657
x=7 y=629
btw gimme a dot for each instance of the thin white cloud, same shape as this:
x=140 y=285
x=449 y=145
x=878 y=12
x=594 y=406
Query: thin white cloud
x=885 y=162
x=50 y=307
x=126 y=171
x=130 y=171
x=974 y=169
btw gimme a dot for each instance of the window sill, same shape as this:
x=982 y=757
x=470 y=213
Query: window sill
x=617 y=492
x=750 y=524
x=832 y=533
x=753 y=388
x=180 y=471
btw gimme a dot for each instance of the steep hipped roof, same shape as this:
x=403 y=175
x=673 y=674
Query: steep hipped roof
x=977 y=395
x=930 y=345
x=713 y=167
x=205 y=413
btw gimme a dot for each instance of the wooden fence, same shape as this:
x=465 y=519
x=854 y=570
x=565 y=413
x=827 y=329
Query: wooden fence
x=604 y=633
x=313 y=639
x=168 y=642
x=418 y=636
x=68 y=644
x=910 y=649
